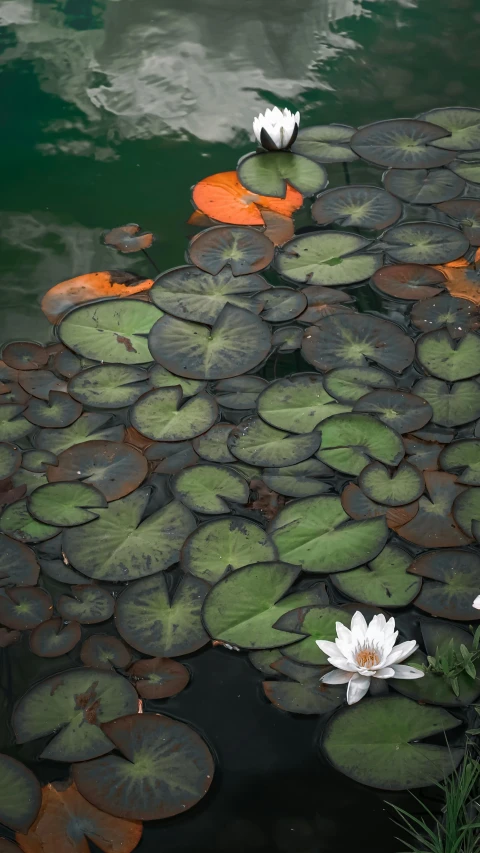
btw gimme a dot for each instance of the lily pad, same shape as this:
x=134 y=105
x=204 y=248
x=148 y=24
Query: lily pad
x=326 y=143
x=109 y=386
x=462 y=458
x=87 y=604
x=298 y=481
x=239 y=393
x=244 y=250
x=398 y=487
x=384 y=582
x=282 y=304
x=210 y=489
x=172 y=456
x=448 y=358
x=166 y=770
x=357 y=206
x=315 y=623
x=318 y=535
x=37 y=461
x=401 y=143
x=350 y=442
x=453 y=404
x=58 y=571
x=466 y=212
x=458 y=315
x=355 y=340
x=65 y=504
x=297 y=403
x=24 y=355
x=408 y=281
x=423 y=186
x=54 y=638
x=400 y=410
x=10 y=460
x=268 y=174
x=463 y=125
x=468 y=171
x=224 y=545
x=422 y=454
x=159 y=678
x=236 y=343
x=18 y=564
x=90 y=425
x=307 y=697
x=348 y=384
x=59 y=411
x=20 y=795
x=162 y=415
x=466 y=508
x=17 y=522
x=113 y=331
x=287 y=338
x=73 y=705
x=24 y=607
x=114 y=468
x=257 y=443
x=330 y=258
x=450 y=583
x=128 y=238
x=434 y=525
x=101 y=651
x=155 y=622
x=424 y=243
x=212 y=445
x=13 y=425
x=322 y=302
x=359 y=507
x=119 y=546
x=378 y=743
x=40 y=383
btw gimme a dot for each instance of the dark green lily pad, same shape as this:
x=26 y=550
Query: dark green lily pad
x=90 y=425
x=468 y=171
x=29 y=480
x=109 y=386
x=298 y=481
x=297 y=403
x=307 y=697
x=449 y=358
x=159 y=678
x=350 y=442
x=113 y=330
x=452 y=405
x=326 y=143
x=54 y=638
x=434 y=526
x=87 y=604
x=73 y=704
x=287 y=338
x=163 y=415
x=282 y=304
x=423 y=186
x=401 y=143
x=330 y=258
x=466 y=508
x=40 y=383
x=166 y=770
x=240 y=392
x=212 y=445
x=114 y=468
x=67 y=364
x=65 y=504
x=10 y=460
x=236 y=343
x=24 y=355
x=59 y=411
x=13 y=425
x=160 y=377
x=18 y=564
x=192 y=294
x=318 y=535
x=58 y=571
x=314 y=623
x=37 y=461
x=119 y=546
x=396 y=487
x=359 y=507
x=466 y=212
x=463 y=459
x=257 y=443
x=24 y=607
x=400 y=410
x=348 y=384
x=450 y=583
x=377 y=743
x=223 y=545
x=384 y=582
x=355 y=340
x=269 y=174
x=20 y=796
x=408 y=281
x=322 y=302
x=101 y=651
x=17 y=522
x=210 y=489
x=357 y=206
x=463 y=125
x=172 y=456
x=422 y=454
x=245 y=250
x=155 y=622
x=458 y=315
x=424 y=243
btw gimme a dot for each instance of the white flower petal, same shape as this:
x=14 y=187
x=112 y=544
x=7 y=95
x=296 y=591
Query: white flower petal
x=341 y=663
x=358 y=627
x=337 y=676
x=386 y=672
x=401 y=652
x=343 y=633
x=327 y=647
x=403 y=671
x=357 y=687
x=476 y=603
x=297 y=118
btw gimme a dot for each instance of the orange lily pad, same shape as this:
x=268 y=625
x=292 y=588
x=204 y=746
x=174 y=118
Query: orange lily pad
x=463 y=279
x=85 y=288
x=225 y=199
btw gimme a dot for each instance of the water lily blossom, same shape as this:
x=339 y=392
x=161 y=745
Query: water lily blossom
x=276 y=129
x=363 y=651
x=476 y=603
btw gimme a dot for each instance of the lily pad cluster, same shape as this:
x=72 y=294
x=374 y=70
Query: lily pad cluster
x=236 y=454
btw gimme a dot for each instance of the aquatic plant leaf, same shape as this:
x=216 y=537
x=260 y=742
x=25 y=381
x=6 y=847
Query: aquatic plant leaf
x=65 y=504
x=408 y=281
x=355 y=340
x=328 y=258
x=154 y=622
x=8 y=846
x=59 y=411
x=422 y=454
x=323 y=301
x=400 y=410
x=282 y=304
x=377 y=743
x=450 y=580
x=24 y=355
x=314 y=623
x=236 y=343
x=287 y=338
x=449 y=358
x=271 y=173
x=10 y=460
x=434 y=525
x=112 y=331
x=119 y=546
x=462 y=123
x=401 y=486
x=468 y=171
x=212 y=445
x=167 y=769
x=453 y=404
x=128 y=238
x=424 y=243
x=239 y=392
x=462 y=458
x=58 y=571
x=318 y=535
x=245 y=250
x=90 y=425
x=255 y=442
x=13 y=393
x=172 y=456
x=358 y=506
x=279 y=228
x=401 y=143
x=349 y=442
x=160 y=377
x=423 y=186
x=64 y=703
x=109 y=386
x=307 y=697
x=462 y=280
x=298 y=481
x=162 y=414
x=40 y=383
x=384 y=582
x=20 y=794
x=17 y=522
x=114 y=468
x=54 y=638
x=297 y=403
x=458 y=315
x=24 y=607
x=87 y=604
x=13 y=425
x=101 y=651
x=86 y=288
x=466 y=212
x=357 y=206
x=224 y=545
x=466 y=508
x=67 y=822
x=326 y=143
x=67 y=364
x=18 y=564
x=209 y=488
x=158 y=678
x=348 y=384
x=223 y=198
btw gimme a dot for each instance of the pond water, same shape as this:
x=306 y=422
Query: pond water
x=111 y=110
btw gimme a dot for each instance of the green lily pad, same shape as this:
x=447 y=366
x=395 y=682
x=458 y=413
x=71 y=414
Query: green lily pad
x=119 y=546
x=24 y=607
x=154 y=622
x=192 y=294
x=244 y=250
x=87 y=604
x=423 y=186
x=398 y=487
x=400 y=410
x=447 y=358
x=73 y=705
x=236 y=343
x=424 y=243
x=159 y=678
x=65 y=504
x=462 y=458
x=37 y=461
x=350 y=442
x=422 y=454
x=17 y=522
x=114 y=330
x=330 y=258
x=458 y=315
x=378 y=743
x=326 y=143
x=314 y=623
x=239 y=393
x=54 y=638
x=434 y=526
x=401 y=143
x=318 y=535
x=29 y=480
x=282 y=304
x=355 y=340
x=298 y=481
x=20 y=795
x=114 y=468
x=212 y=445
x=210 y=488
x=297 y=403
x=468 y=171
x=40 y=383
x=10 y=460
x=384 y=582
x=463 y=125
x=90 y=425
x=109 y=386
x=13 y=425
x=160 y=377
x=58 y=571
x=358 y=506
x=101 y=651
x=59 y=411
x=348 y=384
x=224 y=545
x=287 y=338
x=308 y=697
x=452 y=405
x=256 y=443
x=357 y=207
x=18 y=564
x=466 y=212
x=450 y=583
x=161 y=416
x=269 y=174
x=408 y=281
x=466 y=508
x=166 y=770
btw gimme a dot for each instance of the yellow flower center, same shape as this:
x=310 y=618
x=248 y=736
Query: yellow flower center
x=367 y=658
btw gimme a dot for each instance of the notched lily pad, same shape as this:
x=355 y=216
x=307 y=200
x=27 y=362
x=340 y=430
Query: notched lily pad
x=330 y=258
x=349 y=442
x=434 y=525
x=452 y=404
x=397 y=487
x=458 y=315
x=297 y=403
x=244 y=250
x=17 y=522
x=423 y=186
x=102 y=651
x=450 y=583
x=408 y=281
x=90 y=425
x=462 y=458
x=24 y=355
x=256 y=443
x=163 y=415
x=401 y=143
x=424 y=243
x=87 y=604
x=348 y=384
x=59 y=411
x=400 y=410
x=18 y=563
x=466 y=212
x=65 y=504
x=109 y=386
x=384 y=582
x=210 y=489
x=158 y=678
x=449 y=358
x=114 y=468
x=357 y=207
x=326 y=143
x=54 y=638
x=268 y=174
x=298 y=481
x=224 y=545
x=24 y=607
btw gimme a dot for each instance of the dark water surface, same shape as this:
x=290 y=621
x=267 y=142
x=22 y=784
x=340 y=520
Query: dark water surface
x=110 y=111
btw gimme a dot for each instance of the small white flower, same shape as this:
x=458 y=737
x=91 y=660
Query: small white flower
x=476 y=603
x=276 y=129
x=363 y=651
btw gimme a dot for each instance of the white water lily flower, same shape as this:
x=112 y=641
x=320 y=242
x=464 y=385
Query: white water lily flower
x=276 y=129
x=476 y=603
x=363 y=651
